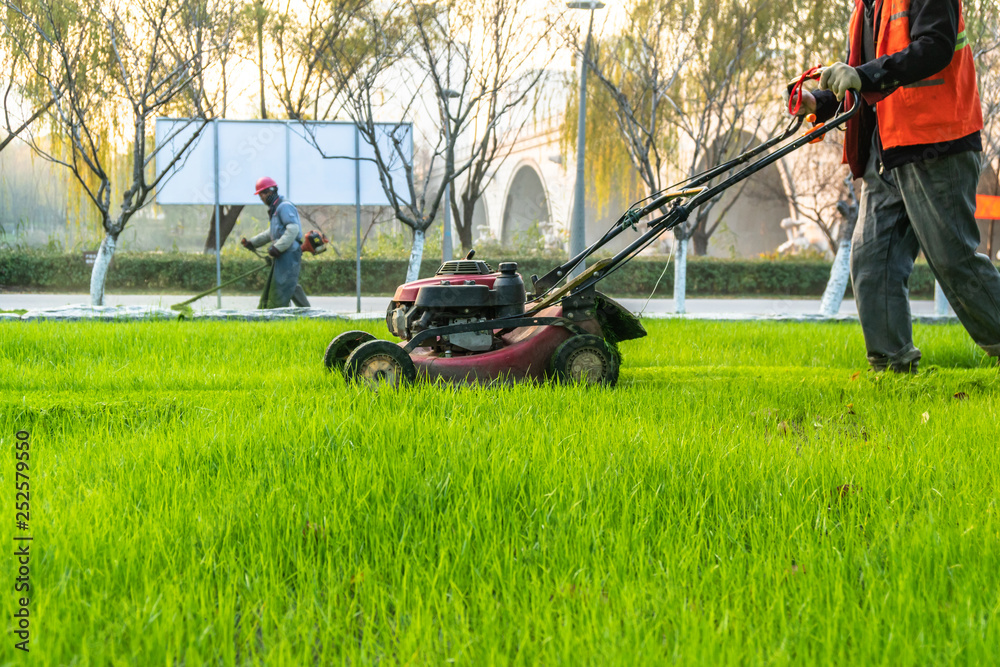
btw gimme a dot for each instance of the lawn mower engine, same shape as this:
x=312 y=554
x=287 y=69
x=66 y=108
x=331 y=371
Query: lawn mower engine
x=463 y=291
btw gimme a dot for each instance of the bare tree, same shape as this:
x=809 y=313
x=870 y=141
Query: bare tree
x=429 y=53
x=119 y=68
x=306 y=36
x=508 y=76
x=213 y=50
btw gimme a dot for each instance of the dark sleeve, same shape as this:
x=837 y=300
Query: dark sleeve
x=826 y=105
x=933 y=35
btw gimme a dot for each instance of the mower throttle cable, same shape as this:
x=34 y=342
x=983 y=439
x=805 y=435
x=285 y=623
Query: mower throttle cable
x=673 y=246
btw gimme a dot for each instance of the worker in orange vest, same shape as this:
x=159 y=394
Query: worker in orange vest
x=917 y=146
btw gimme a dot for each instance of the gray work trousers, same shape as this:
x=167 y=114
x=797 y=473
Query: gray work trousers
x=929 y=206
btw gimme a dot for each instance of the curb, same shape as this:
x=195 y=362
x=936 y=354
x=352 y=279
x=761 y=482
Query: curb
x=749 y=317
x=146 y=313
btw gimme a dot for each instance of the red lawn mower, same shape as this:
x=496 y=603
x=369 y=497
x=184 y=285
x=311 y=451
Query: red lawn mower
x=470 y=323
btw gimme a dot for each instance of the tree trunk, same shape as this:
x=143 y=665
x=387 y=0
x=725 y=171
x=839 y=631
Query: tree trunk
x=100 y=272
x=416 y=254
x=260 y=55
x=465 y=237
x=680 y=275
x=989 y=242
x=941 y=304
x=840 y=274
x=463 y=224
x=229 y=216
x=700 y=242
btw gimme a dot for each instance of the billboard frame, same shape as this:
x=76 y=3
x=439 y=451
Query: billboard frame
x=309 y=137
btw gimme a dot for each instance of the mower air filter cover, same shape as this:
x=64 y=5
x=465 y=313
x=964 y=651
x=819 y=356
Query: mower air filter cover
x=464 y=267
x=453 y=296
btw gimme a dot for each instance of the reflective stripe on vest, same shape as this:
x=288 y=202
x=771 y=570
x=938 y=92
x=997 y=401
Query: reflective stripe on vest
x=943 y=107
x=961 y=42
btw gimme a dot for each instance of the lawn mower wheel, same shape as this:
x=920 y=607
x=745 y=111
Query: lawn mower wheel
x=341 y=347
x=379 y=362
x=587 y=359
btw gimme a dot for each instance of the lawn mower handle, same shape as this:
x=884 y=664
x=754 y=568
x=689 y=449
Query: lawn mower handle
x=632 y=216
x=679 y=212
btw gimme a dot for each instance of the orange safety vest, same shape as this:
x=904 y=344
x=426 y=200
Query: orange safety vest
x=943 y=107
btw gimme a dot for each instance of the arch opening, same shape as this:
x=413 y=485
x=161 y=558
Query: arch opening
x=526 y=209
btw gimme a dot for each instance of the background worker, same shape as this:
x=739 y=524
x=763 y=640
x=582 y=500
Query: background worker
x=285 y=237
x=916 y=144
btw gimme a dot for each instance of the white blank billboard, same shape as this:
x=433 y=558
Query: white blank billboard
x=313 y=162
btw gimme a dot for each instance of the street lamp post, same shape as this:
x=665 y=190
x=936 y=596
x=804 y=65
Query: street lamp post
x=446 y=245
x=578 y=224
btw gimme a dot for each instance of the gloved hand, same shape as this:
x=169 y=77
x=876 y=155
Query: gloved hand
x=274 y=252
x=838 y=78
x=246 y=244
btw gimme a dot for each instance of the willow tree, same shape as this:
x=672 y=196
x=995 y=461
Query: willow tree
x=119 y=65
x=685 y=86
x=690 y=82
x=25 y=97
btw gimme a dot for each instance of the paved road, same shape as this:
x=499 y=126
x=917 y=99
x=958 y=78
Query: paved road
x=377 y=305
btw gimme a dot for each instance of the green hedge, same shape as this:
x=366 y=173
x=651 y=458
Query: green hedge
x=193 y=273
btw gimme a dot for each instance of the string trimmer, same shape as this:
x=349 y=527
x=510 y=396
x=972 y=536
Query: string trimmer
x=184 y=307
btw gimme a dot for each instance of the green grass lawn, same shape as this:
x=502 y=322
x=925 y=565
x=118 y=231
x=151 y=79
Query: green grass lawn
x=209 y=493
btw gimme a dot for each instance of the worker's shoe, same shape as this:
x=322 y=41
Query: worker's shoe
x=906 y=362
x=910 y=368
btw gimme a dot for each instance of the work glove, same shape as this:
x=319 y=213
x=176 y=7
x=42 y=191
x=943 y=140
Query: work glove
x=246 y=244
x=838 y=78
x=274 y=252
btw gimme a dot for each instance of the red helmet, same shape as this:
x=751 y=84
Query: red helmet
x=265 y=183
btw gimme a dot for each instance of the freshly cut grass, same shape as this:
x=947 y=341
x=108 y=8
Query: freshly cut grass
x=749 y=493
